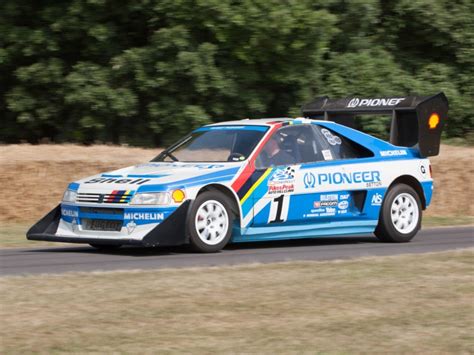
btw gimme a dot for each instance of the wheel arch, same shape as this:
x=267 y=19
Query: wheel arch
x=413 y=183
x=227 y=191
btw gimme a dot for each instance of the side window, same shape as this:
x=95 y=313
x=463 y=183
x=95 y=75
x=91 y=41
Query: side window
x=288 y=146
x=337 y=147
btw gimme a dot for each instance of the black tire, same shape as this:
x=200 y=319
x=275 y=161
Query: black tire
x=387 y=230
x=196 y=234
x=105 y=247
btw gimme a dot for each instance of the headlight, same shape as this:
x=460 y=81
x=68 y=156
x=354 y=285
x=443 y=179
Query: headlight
x=151 y=198
x=69 y=196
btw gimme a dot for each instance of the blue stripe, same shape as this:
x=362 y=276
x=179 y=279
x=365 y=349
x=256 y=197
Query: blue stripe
x=214 y=175
x=115 y=217
x=428 y=191
x=256 y=195
x=346 y=162
x=236 y=127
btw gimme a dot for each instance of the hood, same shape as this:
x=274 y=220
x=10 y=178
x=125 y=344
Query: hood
x=159 y=176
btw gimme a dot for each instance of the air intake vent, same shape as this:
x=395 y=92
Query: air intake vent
x=117 y=196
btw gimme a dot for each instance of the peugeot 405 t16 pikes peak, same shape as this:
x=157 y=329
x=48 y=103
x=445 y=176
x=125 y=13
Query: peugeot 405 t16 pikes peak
x=265 y=179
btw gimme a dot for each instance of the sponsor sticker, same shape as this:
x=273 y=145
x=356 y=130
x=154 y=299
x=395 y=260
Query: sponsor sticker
x=393 y=153
x=283 y=175
x=423 y=170
x=69 y=212
x=329 y=197
x=332 y=139
x=343 y=205
x=317 y=204
x=281 y=188
x=327 y=154
x=282 y=181
x=376 y=199
x=144 y=216
x=327 y=200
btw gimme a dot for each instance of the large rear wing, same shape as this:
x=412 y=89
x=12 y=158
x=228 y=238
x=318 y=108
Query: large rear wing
x=417 y=121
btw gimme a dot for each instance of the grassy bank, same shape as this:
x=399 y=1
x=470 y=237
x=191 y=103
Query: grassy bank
x=403 y=304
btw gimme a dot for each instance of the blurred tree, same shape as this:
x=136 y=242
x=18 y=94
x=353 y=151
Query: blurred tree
x=147 y=71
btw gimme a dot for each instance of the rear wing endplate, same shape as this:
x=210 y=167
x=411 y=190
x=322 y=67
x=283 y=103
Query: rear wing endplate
x=417 y=121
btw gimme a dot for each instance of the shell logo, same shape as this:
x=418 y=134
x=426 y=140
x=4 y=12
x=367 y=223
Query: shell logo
x=433 y=121
x=178 y=195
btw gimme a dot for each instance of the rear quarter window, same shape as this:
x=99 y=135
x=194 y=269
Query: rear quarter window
x=337 y=147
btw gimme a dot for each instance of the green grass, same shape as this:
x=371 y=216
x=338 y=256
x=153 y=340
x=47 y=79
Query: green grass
x=13 y=235
x=404 y=304
x=438 y=221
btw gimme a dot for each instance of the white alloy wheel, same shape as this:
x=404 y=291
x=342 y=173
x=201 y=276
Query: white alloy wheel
x=404 y=213
x=212 y=222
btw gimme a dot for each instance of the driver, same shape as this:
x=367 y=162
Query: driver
x=274 y=155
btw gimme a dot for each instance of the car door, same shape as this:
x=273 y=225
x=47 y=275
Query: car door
x=335 y=186
x=278 y=174
x=316 y=186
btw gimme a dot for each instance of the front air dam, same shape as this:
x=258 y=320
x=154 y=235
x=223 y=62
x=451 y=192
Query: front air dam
x=171 y=232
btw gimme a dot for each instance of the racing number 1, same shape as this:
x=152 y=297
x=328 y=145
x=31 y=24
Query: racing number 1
x=278 y=210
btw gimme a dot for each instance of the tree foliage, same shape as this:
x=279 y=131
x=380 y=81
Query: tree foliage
x=147 y=71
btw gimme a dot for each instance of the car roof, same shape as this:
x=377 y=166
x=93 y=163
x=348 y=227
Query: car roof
x=259 y=122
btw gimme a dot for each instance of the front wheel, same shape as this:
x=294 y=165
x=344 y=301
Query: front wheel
x=400 y=217
x=209 y=223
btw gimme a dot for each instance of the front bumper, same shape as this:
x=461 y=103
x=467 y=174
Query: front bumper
x=170 y=232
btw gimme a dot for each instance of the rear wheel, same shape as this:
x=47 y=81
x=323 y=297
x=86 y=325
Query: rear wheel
x=209 y=223
x=400 y=217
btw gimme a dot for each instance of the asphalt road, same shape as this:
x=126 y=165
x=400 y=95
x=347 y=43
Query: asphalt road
x=84 y=258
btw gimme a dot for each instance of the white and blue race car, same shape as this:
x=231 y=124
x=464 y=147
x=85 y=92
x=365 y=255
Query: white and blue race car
x=266 y=179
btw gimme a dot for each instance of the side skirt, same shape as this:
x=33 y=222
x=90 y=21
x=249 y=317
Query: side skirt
x=319 y=230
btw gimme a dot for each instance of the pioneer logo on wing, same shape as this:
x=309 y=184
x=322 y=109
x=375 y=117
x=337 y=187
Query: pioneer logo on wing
x=356 y=102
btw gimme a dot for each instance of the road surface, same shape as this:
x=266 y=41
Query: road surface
x=61 y=259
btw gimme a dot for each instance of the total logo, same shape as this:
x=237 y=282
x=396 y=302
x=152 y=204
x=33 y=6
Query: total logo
x=377 y=199
x=356 y=102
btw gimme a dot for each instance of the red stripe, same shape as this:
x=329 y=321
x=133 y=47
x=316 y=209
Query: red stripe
x=112 y=196
x=250 y=167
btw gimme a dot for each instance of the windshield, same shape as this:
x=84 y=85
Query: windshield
x=215 y=144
